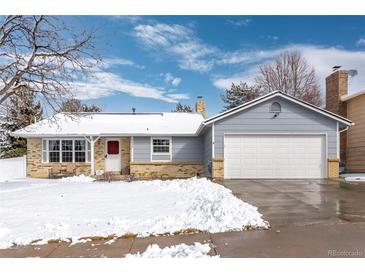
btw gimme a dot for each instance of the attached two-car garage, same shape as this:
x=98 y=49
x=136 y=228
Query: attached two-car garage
x=274 y=156
x=276 y=136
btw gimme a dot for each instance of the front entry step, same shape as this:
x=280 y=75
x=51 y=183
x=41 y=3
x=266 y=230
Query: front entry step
x=113 y=176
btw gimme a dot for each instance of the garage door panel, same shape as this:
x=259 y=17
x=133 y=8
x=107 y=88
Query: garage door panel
x=274 y=156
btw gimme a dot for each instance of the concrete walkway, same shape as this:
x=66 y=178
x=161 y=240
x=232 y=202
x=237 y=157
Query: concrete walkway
x=342 y=240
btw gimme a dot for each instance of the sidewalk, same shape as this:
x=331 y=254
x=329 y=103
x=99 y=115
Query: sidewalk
x=336 y=240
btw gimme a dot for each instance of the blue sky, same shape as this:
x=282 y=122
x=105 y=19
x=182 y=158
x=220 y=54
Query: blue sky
x=152 y=62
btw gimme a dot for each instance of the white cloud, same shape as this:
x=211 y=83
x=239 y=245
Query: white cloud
x=176 y=82
x=247 y=76
x=103 y=84
x=178 y=41
x=247 y=57
x=240 y=22
x=361 y=42
x=321 y=58
x=178 y=96
x=169 y=78
x=109 y=62
x=130 y=19
x=270 y=37
x=190 y=52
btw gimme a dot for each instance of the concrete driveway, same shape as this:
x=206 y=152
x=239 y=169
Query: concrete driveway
x=302 y=202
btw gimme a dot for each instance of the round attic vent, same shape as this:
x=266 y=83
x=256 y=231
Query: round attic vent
x=275 y=107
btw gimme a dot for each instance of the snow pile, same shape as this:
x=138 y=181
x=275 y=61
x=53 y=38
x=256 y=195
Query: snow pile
x=77 y=179
x=197 y=250
x=354 y=177
x=212 y=208
x=61 y=209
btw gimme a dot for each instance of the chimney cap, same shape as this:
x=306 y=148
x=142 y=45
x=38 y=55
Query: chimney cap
x=334 y=68
x=352 y=72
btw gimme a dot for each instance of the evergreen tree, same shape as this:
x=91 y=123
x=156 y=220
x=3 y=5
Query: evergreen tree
x=22 y=110
x=182 y=108
x=239 y=94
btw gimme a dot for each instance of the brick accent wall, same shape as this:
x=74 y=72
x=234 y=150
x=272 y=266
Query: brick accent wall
x=37 y=169
x=100 y=154
x=336 y=87
x=126 y=154
x=146 y=170
x=333 y=168
x=218 y=168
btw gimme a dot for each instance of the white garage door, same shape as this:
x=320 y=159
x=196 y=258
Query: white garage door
x=274 y=156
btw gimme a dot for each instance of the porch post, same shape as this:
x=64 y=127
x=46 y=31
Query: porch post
x=92 y=141
x=92 y=160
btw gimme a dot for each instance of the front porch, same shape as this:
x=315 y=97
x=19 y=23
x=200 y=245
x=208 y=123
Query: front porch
x=115 y=162
x=94 y=162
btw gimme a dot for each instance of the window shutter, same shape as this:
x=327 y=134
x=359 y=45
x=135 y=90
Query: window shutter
x=45 y=151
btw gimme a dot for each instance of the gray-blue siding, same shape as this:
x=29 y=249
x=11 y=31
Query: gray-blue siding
x=208 y=151
x=184 y=149
x=292 y=119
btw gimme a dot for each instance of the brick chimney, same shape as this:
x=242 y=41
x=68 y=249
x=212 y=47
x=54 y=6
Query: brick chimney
x=200 y=106
x=336 y=87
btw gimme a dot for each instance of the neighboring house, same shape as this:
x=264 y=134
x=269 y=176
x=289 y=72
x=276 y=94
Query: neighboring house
x=353 y=107
x=274 y=136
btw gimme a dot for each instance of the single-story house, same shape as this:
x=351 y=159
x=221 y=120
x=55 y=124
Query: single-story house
x=351 y=106
x=274 y=136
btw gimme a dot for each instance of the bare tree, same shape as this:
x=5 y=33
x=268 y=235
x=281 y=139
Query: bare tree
x=238 y=95
x=75 y=105
x=44 y=55
x=182 y=108
x=291 y=74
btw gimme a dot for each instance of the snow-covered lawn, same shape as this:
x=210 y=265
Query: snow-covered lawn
x=35 y=209
x=197 y=250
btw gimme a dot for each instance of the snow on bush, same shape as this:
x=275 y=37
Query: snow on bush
x=197 y=250
x=78 y=179
x=61 y=209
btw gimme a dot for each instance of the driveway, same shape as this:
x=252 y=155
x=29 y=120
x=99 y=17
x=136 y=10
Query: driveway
x=302 y=202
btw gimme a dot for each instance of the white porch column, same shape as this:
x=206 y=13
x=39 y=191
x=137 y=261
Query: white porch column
x=92 y=141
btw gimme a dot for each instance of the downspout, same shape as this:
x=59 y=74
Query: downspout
x=345 y=129
x=339 y=138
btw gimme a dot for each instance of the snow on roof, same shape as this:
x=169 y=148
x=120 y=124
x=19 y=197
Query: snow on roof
x=356 y=94
x=114 y=124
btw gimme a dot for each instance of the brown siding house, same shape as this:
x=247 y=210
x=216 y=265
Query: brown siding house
x=352 y=141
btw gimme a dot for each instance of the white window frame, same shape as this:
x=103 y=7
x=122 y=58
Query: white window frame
x=73 y=150
x=161 y=153
x=59 y=151
x=46 y=150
